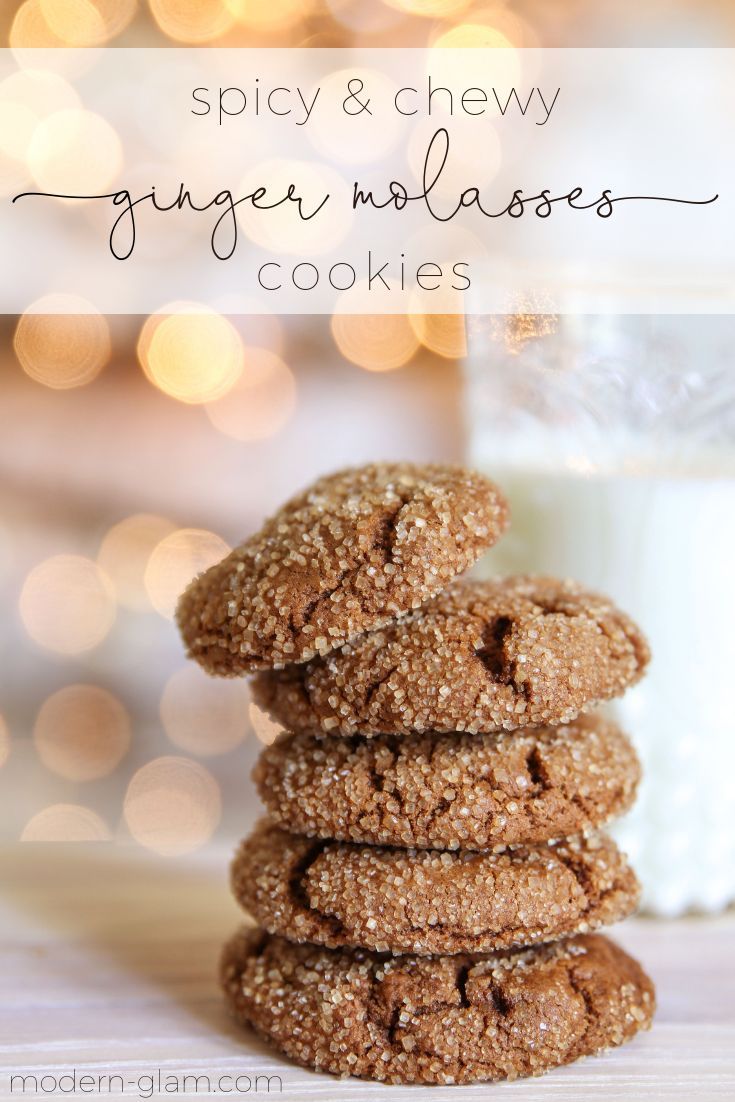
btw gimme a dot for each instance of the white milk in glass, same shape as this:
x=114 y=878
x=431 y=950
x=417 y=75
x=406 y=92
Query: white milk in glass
x=665 y=548
x=634 y=494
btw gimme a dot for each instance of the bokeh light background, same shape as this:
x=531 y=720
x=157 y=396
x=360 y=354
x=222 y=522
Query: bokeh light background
x=135 y=451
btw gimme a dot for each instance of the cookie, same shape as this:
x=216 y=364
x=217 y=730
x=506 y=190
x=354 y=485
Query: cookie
x=482 y=656
x=429 y=901
x=447 y=791
x=352 y=552
x=436 y=1020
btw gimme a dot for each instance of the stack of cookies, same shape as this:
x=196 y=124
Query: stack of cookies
x=431 y=867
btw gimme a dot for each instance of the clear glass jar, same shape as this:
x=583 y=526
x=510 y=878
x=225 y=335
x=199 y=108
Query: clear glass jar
x=614 y=438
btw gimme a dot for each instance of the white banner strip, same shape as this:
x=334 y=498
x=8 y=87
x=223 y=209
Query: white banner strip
x=369 y=181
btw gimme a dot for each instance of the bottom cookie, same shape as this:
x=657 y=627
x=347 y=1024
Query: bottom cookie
x=454 y=1019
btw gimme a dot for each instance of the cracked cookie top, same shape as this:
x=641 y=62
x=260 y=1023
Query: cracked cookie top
x=481 y=657
x=446 y=791
x=429 y=901
x=445 y=1020
x=353 y=552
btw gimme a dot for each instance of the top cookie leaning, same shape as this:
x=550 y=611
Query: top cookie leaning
x=351 y=553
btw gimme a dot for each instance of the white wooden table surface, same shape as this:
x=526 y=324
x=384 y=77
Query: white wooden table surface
x=108 y=967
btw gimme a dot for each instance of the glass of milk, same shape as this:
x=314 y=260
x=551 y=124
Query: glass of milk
x=614 y=438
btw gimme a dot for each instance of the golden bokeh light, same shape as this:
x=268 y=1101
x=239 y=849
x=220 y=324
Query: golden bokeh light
x=67 y=604
x=273 y=15
x=26 y=97
x=124 y=554
x=77 y=23
x=177 y=559
x=429 y=9
x=204 y=716
x=172 y=805
x=343 y=137
x=30 y=30
x=377 y=342
x=190 y=352
x=82 y=732
x=66 y=823
x=261 y=402
x=62 y=341
x=472 y=36
x=266 y=729
x=39 y=90
x=74 y=152
x=444 y=334
x=5 y=741
x=17 y=123
x=470 y=163
x=325 y=200
x=116 y=15
x=362 y=17
x=450 y=68
x=192 y=21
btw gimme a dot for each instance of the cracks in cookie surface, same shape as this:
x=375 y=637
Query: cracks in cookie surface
x=373 y=687
x=492 y=652
x=461 y=978
x=537 y=769
x=353 y=898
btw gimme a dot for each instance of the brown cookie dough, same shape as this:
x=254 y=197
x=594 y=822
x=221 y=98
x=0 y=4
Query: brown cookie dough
x=352 y=552
x=429 y=901
x=450 y=791
x=482 y=656
x=437 y=1020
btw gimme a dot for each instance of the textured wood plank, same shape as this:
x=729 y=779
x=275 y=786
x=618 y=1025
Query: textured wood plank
x=108 y=959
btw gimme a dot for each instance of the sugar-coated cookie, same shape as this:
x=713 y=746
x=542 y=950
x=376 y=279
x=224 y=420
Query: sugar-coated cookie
x=354 y=551
x=482 y=656
x=450 y=791
x=438 y=1020
x=429 y=901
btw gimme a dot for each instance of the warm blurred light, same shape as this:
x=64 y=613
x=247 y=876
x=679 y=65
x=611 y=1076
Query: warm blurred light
x=66 y=823
x=40 y=90
x=193 y=356
x=463 y=72
x=62 y=349
x=363 y=16
x=124 y=554
x=26 y=97
x=281 y=229
x=74 y=152
x=343 y=138
x=266 y=729
x=269 y=15
x=260 y=403
x=472 y=36
x=67 y=604
x=17 y=123
x=75 y=22
x=441 y=333
x=192 y=20
x=4 y=741
x=430 y=9
x=177 y=559
x=82 y=732
x=502 y=19
x=116 y=14
x=377 y=342
x=172 y=805
x=471 y=164
x=29 y=29
x=204 y=716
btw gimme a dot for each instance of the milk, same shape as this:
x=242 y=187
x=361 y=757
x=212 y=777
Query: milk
x=663 y=547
